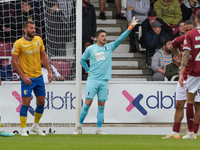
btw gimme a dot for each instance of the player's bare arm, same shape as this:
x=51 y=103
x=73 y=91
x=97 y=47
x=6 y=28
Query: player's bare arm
x=45 y=60
x=15 y=64
x=184 y=62
x=176 y=52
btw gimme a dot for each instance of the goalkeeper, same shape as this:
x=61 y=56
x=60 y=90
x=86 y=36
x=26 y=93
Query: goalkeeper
x=100 y=57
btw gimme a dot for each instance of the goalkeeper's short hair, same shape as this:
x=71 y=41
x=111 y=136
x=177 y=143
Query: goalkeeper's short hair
x=99 y=31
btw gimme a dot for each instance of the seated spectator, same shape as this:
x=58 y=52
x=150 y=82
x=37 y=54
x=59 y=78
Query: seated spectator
x=88 y=23
x=180 y=29
x=153 y=39
x=55 y=74
x=187 y=8
x=146 y=26
x=7 y=21
x=139 y=9
x=102 y=4
x=9 y=74
x=60 y=26
x=173 y=68
x=161 y=59
x=169 y=11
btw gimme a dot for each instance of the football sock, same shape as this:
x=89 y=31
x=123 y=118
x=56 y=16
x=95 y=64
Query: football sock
x=196 y=127
x=100 y=116
x=176 y=127
x=23 y=116
x=1 y=130
x=38 y=113
x=190 y=116
x=0 y=122
x=84 y=112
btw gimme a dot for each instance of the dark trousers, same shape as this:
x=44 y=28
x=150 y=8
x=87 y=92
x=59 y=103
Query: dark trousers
x=132 y=35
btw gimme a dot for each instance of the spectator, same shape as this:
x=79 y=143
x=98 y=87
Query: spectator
x=7 y=21
x=146 y=26
x=180 y=29
x=59 y=26
x=9 y=74
x=194 y=14
x=89 y=23
x=161 y=59
x=187 y=8
x=84 y=73
x=152 y=3
x=55 y=74
x=153 y=39
x=169 y=11
x=25 y=14
x=139 y=9
x=173 y=68
x=102 y=4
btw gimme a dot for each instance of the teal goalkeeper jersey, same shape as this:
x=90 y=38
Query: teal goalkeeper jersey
x=101 y=58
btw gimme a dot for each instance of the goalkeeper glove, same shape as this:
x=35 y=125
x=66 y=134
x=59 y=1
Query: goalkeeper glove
x=133 y=23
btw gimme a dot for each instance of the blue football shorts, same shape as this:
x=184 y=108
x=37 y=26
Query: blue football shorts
x=37 y=85
x=96 y=86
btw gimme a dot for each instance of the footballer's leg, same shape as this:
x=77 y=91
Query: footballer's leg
x=23 y=114
x=102 y=97
x=39 y=91
x=190 y=116
x=84 y=112
x=3 y=133
x=91 y=89
x=196 y=116
x=38 y=114
x=180 y=102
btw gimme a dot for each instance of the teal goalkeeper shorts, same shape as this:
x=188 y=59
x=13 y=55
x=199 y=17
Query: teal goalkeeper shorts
x=96 y=86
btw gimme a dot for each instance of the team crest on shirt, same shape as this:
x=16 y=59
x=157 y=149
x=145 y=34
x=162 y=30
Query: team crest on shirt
x=25 y=92
x=38 y=43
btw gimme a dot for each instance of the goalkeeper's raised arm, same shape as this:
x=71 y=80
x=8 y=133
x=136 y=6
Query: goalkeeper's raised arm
x=126 y=33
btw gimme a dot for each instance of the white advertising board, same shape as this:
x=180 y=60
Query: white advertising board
x=128 y=102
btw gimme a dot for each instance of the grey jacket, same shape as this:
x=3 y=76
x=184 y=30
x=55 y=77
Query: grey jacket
x=141 y=7
x=157 y=60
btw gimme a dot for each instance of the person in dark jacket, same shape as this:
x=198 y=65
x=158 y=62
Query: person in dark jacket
x=153 y=39
x=187 y=8
x=7 y=21
x=88 y=23
x=146 y=26
x=25 y=14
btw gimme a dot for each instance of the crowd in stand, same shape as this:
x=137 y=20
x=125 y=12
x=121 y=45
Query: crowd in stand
x=157 y=18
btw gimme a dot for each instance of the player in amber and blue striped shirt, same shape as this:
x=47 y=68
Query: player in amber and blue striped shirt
x=100 y=56
x=29 y=50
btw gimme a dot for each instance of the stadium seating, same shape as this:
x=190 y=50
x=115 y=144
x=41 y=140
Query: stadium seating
x=174 y=29
x=62 y=66
x=5 y=48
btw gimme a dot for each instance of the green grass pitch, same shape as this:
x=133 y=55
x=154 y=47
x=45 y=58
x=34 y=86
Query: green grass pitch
x=96 y=142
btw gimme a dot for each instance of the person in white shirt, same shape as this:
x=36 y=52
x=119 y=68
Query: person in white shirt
x=55 y=74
